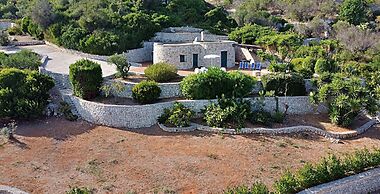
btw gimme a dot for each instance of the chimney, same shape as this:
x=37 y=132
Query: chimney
x=202 y=36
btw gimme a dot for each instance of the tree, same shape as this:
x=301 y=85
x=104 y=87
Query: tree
x=122 y=64
x=42 y=13
x=355 y=39
x=353 y=11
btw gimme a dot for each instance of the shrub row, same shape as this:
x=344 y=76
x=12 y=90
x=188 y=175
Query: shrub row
x=328 y=169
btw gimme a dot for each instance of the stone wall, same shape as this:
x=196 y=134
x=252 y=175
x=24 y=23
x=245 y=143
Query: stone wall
x=173 y=90
x=168 y=90
x=139 y=116
x=170 y=53
x=6 y=24
x=141 y=54
x=178 y=37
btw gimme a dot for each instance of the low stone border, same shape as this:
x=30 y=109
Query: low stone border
x=366 y=182
x=10 y=190
x=270 y=131
x=192 y=127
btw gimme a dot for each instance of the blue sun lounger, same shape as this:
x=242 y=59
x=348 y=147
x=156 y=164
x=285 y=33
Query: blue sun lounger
x=241 y=65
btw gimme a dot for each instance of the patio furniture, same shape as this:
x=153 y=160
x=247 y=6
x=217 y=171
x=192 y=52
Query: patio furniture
x=241 y=65
x=258 y=66
x=246 y=65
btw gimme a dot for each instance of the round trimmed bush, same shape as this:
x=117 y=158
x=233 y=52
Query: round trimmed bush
x=146 y=92
x=86 y=78
x=161 y=72
x=284 y=84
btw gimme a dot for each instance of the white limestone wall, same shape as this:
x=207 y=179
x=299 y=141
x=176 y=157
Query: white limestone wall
x=170 y=53
x=167 y=37
x=139 y=116
x=141 y=54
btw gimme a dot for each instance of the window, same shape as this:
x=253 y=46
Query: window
x=182 y=58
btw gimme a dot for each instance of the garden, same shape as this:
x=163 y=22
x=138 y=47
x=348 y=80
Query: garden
x=230 y=100
x=192 y=134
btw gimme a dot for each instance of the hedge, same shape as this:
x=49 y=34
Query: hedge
x=86 y=78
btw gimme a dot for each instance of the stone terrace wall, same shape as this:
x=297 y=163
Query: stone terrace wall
x=141 y=54
x=173 y=90
x=139 y=116
x=168 y=90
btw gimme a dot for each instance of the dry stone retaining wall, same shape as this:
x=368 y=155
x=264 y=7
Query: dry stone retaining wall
x=138 y=116
x=168 y=90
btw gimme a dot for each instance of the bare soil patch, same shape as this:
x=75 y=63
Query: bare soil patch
x=59 y=154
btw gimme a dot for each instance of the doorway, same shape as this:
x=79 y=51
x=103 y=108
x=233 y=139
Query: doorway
x=223 y=59
x=195 y=60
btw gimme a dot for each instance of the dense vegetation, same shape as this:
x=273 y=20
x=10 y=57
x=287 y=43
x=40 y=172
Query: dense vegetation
x=328 y=169
x=23 y=93
x=110 y=26
x=24 y=59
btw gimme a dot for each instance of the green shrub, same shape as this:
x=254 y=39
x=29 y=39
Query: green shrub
x=146 y=92
x=79 y=190
x=208 y=85
x=256 y=188
x=4 y=38
x=25 y=59
x=65 y=109
x=284 y=84
x=280 y=67
x=227 y=113
x=178 y=116
x=86 y=78
x=287 y=184
x=261 y=117
x=23 y=93
x=304 y=66
x=306 y=176
x=346 y=97
x=161 y=72
x=215 y=82
x=242 y=83
x=324 y=65
x=278 y=117
x=15 y=30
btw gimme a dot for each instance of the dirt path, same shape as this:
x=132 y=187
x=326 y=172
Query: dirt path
x=55 y=154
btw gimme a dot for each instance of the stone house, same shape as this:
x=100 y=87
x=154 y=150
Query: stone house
x=192 y=48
